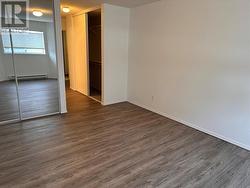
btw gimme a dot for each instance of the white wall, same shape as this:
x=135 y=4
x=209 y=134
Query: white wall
x=34 y=64
x=70 y=50
x=190 y=61
x=115 y=33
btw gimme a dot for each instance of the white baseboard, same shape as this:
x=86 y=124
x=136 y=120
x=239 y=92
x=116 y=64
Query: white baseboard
x=214 y=134
x=107 y=103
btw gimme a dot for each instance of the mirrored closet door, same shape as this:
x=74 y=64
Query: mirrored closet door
x=9 y=104
x=28 y=68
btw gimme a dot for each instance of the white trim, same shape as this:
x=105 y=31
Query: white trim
x=232 y=141
x=40 y=116
x=94 y=99
x=3 y=123
x=59 y=56
x=87 y=52
x=102 y=51
x=107 y=103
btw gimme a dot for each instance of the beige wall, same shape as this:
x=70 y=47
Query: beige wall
x=76 y=40
x=63 y=23
x=190 y=61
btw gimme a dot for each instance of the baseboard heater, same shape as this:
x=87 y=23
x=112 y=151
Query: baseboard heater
x=29 y=77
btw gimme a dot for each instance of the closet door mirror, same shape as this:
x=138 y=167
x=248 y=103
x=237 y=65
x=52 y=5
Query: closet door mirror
x=36 y=65
x=9 y=109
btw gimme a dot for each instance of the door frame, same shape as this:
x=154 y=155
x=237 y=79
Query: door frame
x=87 y=50
x=85 y=13
x=59 y=56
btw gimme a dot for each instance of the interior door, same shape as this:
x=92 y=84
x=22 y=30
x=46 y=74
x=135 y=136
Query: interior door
x=36 y=63
x=9 y=104
x=77 y=44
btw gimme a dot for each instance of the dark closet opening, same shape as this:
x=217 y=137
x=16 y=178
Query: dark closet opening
x=95 y=54
x=65 y=56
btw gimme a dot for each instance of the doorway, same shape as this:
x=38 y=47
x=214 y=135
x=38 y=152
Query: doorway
x=83 y=52
x=65 y=56
x=95 y=54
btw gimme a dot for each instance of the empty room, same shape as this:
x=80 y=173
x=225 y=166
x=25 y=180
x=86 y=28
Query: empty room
x=125 y=93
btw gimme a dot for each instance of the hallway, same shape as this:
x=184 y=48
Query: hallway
x=120 y=145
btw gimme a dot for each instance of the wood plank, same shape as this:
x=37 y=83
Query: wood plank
x=37 y=97
x=119 y=145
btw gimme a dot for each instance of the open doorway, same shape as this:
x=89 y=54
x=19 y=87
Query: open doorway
x=65 y=57
x=95 y=54
x=82 y=52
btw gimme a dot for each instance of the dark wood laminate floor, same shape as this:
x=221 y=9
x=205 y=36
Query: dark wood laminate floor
x=37 y=97
x=95 y=94
x=119 y=146
x=8 y=101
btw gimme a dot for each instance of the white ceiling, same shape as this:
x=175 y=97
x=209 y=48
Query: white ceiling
x=77 y=5
x=46 y=6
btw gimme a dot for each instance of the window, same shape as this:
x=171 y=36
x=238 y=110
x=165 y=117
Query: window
x=24 y=42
